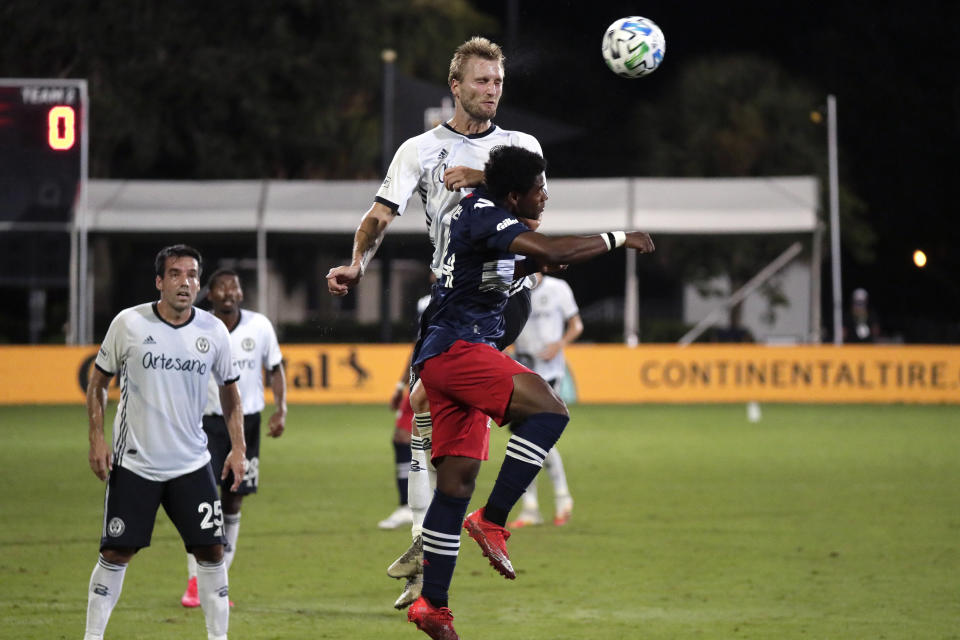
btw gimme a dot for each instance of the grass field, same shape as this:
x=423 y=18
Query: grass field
x=817 y=522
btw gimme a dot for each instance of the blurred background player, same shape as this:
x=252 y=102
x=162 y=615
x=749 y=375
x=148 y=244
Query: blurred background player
x=253 y=343
x=166 y=352
x=861 y=324
x=442 y=165
x=553 y=324
x=402 y=443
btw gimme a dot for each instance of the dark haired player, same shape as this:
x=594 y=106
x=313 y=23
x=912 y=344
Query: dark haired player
x=165 y=353
x=253 y=343
x=467 y=379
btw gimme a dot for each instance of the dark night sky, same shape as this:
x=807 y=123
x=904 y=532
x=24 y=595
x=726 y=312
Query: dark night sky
x=892 y=66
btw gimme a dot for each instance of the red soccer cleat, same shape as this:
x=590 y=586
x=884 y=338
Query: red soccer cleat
x=191 y=598
x=492 y=539
x=433 y=621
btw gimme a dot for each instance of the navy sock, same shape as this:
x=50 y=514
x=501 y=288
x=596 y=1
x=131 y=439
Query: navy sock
x=441 y=544
x=526 y=449
x=402 y=456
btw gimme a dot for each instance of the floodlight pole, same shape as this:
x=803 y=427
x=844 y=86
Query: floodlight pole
x=834 y=219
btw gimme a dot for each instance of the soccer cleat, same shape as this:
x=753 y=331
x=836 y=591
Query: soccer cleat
x=492 y=539
x=401 y=515
x=564 y=511
x=191 y=598
x=411 y=591
x=527 y=518
x=410 y=563
x=436 y=622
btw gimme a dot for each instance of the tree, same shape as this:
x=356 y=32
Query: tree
x=246 y=89
x=739 y=116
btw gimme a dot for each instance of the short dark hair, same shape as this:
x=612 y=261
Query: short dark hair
x=176 y=251
x=512 y=169
x=221 y=273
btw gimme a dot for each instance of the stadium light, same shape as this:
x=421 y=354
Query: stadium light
x=920 y=258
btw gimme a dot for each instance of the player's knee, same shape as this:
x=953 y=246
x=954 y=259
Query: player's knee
x=208 y=553
x=118 y=556
x=418 y=399
x=231 y=502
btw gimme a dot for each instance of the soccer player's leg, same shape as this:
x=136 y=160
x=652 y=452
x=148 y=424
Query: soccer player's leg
x=130 y=510
x=218 y=444
x=422 y=482
x=401 y=458
x=232 y=501
x=539 y=417
x=194 y=508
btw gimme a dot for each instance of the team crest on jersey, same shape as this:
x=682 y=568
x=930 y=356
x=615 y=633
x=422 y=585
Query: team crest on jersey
x=247 y=344
x=116 y=527
x=203 y=345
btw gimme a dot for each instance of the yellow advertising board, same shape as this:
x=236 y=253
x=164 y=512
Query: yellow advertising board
x=743 y=373
x=357 y=373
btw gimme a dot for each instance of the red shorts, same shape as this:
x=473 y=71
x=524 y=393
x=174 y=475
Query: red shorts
x=465 y=384
x=405 y=414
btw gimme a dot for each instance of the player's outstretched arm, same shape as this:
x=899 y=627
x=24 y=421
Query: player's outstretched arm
x=278 y=384
x=236 y=460
x=560 y=250
x=366 y=241
x=460 y=177
x=100 y=456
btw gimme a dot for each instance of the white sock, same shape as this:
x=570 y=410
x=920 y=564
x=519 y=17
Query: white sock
x=554 y=465
x=106 y=582
x=231 y=529
x=418 y=485
x=530 y=502
x=214 y=597
x=191 y=566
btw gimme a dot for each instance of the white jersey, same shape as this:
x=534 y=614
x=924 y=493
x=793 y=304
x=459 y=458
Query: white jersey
x=551 y=306
x=420 y=163
x=254 y=346
x=164 y=371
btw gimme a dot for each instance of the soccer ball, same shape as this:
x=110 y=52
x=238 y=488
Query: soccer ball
x=633 y=47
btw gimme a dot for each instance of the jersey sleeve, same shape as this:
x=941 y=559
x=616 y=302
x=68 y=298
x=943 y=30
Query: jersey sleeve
x=402 y=178
x=224 y=369
x=565 y=300
x=530 y=143
x=110 y=357
x=271 y=354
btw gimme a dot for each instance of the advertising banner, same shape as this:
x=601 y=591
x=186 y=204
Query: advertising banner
x=358 y=373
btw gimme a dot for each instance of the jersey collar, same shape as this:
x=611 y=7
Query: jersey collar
x=193 y=314
x=473 y=136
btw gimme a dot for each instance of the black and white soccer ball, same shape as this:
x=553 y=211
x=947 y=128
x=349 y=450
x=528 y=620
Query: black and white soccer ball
x=633 y=47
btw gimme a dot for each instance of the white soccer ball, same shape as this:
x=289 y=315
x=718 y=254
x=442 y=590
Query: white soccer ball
x=633 y=47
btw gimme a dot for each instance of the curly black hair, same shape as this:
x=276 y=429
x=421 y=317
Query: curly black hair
x=222 y=272
x=512 y=170
x=176 y=251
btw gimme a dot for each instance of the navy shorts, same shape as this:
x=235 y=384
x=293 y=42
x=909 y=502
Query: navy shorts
x=218 y=443
x=130 y=509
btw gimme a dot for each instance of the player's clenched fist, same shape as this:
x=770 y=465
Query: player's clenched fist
x=641 y=241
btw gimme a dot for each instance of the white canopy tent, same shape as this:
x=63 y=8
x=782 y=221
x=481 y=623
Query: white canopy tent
x=578 y=206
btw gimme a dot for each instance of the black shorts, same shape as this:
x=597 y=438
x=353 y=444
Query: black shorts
x=130 y=509
x=218 y=442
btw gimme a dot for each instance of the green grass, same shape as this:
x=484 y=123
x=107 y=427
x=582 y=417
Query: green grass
x=818 y=522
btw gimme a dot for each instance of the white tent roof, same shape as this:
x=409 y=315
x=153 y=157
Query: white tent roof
x=657 y=205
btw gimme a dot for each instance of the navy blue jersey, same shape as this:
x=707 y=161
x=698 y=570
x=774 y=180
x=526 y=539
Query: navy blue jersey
x=477 y=271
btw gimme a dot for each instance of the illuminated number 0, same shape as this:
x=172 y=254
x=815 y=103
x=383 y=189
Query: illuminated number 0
x=60 y=128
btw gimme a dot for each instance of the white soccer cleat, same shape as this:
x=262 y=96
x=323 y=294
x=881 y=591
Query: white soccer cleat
x=411 y=591
x=410 y=563
x=401 y=515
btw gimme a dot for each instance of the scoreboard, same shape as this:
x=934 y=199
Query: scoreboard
x=42 y=151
